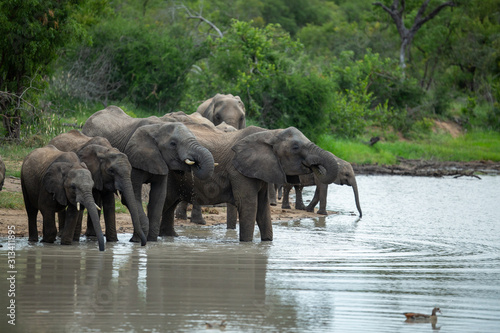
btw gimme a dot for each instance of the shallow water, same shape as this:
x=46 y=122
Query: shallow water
x=422 y=242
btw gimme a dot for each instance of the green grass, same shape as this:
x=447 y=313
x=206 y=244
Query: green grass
x=472 y=146
x=11 y=200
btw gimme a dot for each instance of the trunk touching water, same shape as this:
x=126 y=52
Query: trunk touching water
x=356 y=197
x=128 y=195
x=89 y=203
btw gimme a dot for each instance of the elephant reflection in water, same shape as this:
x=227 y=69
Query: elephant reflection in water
x=139 y=290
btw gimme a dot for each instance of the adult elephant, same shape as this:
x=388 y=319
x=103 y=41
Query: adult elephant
x=2 y=173
x=196 y=213
x=224 y=108
x=154 y=148
x=248 y=160
x=345 y=176
x=111 y=172
x=53 y=181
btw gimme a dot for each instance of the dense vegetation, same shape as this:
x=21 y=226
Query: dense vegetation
x=331 y=68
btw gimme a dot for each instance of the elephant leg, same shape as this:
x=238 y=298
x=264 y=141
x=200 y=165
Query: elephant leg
x=157 y=197
x=280 y=191
x=314 y=201
x=137 y=186
x=32 y=228
x=181 y=210
x=299 y=202
x=61 y=217
x=323 y=192
x=69 y=225
x=285 y=204
x=232 y=216
x=246 y=197
x=49 y=226
x=108 y=208
x=264 y=216
x=197 y=216
x=78 y=227
x=167 y=219
x=272 y=194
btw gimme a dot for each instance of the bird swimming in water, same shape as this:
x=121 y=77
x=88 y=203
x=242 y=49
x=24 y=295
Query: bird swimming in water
x=422 y=318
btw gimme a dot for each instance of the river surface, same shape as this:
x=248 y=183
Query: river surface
x=422 y=243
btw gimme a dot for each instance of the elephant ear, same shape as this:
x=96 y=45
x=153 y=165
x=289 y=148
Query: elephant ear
x=255 y=158
x=240 y=102
x=53 y=181
x=92 y=156
x=143 y=151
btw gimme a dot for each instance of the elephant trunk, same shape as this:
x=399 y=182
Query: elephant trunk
x=323 y=164
x=89 y=203
x=356 y=197
x=129 y=198
x=203 y=166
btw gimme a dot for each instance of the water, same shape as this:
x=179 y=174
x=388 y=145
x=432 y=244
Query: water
x=422 y=242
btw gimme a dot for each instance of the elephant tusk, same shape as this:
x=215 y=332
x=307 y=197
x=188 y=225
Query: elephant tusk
x=96 y=206
x=78 y=206
x=216 y=164
x=119 y=195
x=189 y=162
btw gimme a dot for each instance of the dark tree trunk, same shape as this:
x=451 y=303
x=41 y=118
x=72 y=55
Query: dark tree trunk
x=396 y=11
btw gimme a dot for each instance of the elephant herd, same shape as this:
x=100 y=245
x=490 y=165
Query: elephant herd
x=207 y=158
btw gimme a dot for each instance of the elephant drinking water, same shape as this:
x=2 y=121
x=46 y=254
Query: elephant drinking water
x=248 y=160
x=153 y=148
x=52 y=181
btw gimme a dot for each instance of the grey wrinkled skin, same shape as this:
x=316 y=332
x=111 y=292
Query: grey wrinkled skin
x=154 y=148
x=248 y=160
x=54 y=181
x=111 y=172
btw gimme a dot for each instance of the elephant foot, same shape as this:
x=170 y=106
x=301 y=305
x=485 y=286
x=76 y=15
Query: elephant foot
x=267 y=239
x=310 y=209
x=33 y=239
x=76 y=238
x=168 y=234
x=286 y=207
x=273 y=203
x=48 y=240
x=180 y=214
x=90 y=233
x=246 y=239
x=197 y=218
x=66 y=242
x=199 y=221
x=322 y=212
x=113 y=239
x=300 y=207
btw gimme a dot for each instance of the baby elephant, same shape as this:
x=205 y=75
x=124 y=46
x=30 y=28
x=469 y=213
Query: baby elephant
x=53 y=181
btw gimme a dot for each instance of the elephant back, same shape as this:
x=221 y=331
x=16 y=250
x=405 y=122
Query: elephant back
x=113 y=124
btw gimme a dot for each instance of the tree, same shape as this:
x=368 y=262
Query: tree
x=31 y=32
x=397 y=13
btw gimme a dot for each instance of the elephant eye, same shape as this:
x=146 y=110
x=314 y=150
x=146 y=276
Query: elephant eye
x=173 y=144
x=111 y=171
